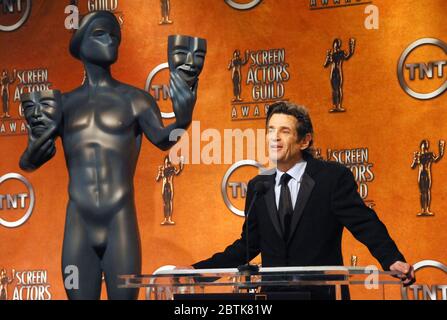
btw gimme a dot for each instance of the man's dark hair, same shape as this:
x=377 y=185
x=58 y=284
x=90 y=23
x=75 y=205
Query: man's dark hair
x=304 y=124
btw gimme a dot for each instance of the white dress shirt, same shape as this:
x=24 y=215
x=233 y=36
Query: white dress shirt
x=296 y=172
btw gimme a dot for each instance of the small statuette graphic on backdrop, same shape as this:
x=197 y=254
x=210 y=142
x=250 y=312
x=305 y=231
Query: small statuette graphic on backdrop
x=423 y=159
x=5 y=281
x=354 y=261
x=166 y=172
x=335 y=59
x=235 y=66
x=6 y=80
x=165 y=11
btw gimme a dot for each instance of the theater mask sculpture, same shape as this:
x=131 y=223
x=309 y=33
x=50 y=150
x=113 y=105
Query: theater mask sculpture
x=186 y=56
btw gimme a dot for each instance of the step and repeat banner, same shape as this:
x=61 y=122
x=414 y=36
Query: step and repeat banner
x=372 y=74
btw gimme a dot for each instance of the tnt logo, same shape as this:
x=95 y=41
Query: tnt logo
x=426 y=291
x=235 y=184
x=11 y=6
x=243 y=4
x=16 y=200
x=421 y=69
x=13 y=14
x=157 y=85
x=238 y=189
x=425 y=70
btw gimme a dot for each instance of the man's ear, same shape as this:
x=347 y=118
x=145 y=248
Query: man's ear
x=305 y=142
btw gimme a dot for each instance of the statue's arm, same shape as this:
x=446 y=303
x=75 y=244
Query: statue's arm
x=328 y=59
x=441 y=151
x=247 y=54
x=159 y=175
x=415 y=160
x=149 y=116
x=39 y=150
x=351 y=49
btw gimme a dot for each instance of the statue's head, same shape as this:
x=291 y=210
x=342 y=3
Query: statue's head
x=42 y=109
x=167 y=161
x=186 y=55
x=336 y=44
x=97 y=39
x=236 y=54
x=425 y=145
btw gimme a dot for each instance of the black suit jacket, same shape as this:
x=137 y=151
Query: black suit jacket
x=327 y=202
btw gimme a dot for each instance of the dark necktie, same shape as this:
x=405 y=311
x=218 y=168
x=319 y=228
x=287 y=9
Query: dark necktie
x=285 y=205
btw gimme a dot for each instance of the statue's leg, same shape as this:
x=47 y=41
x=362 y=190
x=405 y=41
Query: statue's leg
x=334 y=98
x=7 y=104
x=78 y=254
x=336 y=88
x=4 y=103
x=340 y=94
x=168 y=201
x=423 y=202
x=167 y=194
x=424 y=187
x=236 y=86
x=165 y=10
x=123 y=253
x=170 y=210
x=166 y=211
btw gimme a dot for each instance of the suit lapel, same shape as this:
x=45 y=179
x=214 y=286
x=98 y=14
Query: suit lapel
x=307 y=184
x=306 y=187
x=270 y=202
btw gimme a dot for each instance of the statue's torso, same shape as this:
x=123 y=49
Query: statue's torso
x=101 y=142
x=338 y=57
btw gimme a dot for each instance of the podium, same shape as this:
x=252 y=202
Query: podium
x=229 y=282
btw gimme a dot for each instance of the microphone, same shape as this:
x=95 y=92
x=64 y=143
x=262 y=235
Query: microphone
x=260 y=188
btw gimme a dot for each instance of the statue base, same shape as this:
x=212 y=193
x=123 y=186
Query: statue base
x=426 y=214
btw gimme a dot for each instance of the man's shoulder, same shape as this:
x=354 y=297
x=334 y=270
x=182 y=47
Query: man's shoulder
x=331 y=166
x=330 y=171
x=324 y=169
x=315 y=168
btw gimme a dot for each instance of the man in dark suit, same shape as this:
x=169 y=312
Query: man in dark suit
x=299 y=219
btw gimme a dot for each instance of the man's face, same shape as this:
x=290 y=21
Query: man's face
x=187 y=56
x=101 y=41
x=282 y=139
x=42 y=110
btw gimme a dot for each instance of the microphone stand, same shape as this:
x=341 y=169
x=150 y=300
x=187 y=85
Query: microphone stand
x=247 y=267
x=250 y=269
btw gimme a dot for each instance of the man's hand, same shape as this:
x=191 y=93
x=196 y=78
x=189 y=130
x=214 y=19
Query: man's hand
x=407 y=271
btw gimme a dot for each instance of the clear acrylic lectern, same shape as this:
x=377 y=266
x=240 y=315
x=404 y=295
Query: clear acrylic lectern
x=169 y=284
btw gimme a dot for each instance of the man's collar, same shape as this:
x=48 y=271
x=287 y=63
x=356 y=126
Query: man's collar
x=296 y=172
